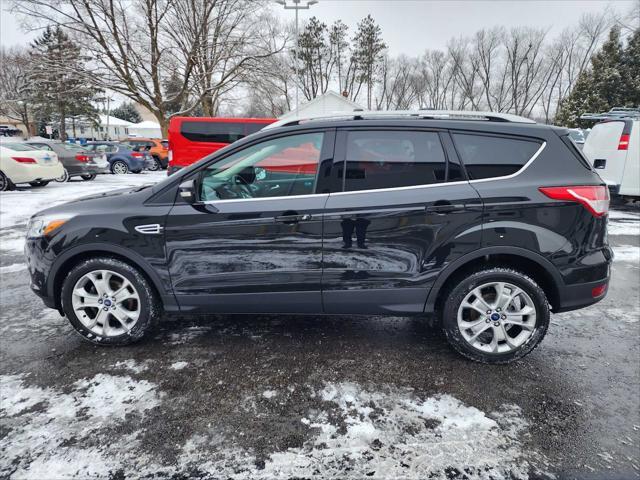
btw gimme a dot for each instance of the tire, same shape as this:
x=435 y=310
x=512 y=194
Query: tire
x=64 y=177
x=88 y=177
x=5 y=183
x=146 y=303
x=41 y=183
x=119 y=168
x=156 y=165
x=511 y=341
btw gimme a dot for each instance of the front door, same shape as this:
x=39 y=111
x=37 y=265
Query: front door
x=404 y=214
x=254 y=242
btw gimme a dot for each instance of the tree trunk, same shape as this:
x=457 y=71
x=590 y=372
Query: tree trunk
x=63 y=124
x=164 y=123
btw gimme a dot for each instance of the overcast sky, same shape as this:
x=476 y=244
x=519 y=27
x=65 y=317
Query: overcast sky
x=411 y=26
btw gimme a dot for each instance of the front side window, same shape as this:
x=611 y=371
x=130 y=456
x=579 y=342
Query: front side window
x=213 y=132
x=389 y=159
x=487 y=156
x=280 y=167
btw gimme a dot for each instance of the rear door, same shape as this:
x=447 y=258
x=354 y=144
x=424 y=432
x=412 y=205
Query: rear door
x=602 y=148
x=404 y=213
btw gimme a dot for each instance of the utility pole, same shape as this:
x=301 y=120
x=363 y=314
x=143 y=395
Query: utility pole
x=297 y=5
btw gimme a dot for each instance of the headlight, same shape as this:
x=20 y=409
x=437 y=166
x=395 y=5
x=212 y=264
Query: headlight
x=45 y=226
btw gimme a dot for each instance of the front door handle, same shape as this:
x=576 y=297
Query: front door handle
x=290 y=218
x=443 y=208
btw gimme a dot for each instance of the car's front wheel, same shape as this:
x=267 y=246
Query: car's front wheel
x=39 y=183
x=109 y=302
x=119 y=167
x=88 y=177
x=496 y=315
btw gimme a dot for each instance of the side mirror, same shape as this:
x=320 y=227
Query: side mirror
x=187 y=191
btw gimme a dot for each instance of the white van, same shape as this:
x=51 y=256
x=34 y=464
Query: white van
x=613 y=148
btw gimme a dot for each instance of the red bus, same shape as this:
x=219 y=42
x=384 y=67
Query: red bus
x=191 y=138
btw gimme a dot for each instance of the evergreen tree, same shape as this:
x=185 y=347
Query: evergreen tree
x=127 y=111
x=59 y=79
x=631 y=70
x=368 y=53
x=605 y=85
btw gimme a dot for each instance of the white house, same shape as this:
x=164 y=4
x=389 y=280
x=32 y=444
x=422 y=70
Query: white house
x=109 y=128
x=327 y=103
x=146 y=128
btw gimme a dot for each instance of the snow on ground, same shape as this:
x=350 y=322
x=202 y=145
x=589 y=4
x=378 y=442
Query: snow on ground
x=628 y=254
x=178 y=365
x=384 y=432
x=14 y=267
x=49 y=433
x=17 y=206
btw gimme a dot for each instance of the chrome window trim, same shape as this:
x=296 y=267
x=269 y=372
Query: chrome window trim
x=391 y=189
x=281 y=197
x=515 y=174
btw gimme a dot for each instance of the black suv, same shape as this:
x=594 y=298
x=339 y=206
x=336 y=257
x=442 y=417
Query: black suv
x=490 y=220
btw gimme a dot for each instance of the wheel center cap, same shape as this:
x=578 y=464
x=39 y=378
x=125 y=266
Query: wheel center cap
x=495 y=316
x=107 y=303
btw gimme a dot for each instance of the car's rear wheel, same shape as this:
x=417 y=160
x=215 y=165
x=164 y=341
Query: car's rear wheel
x=40 y=183
x=5 y=183
x=495 y=315
x=88 y=177
x=119 y=167
x=109 y=302
x=64 y=177
x=155 y=165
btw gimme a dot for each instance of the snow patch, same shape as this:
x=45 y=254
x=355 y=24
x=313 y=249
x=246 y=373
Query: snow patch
x=16 y=267
x=49 y=431
x=131 y=365
x=178 y=365
x=627 y=253
x=268 y=394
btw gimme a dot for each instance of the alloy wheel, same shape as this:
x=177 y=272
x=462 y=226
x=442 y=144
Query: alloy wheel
x=120 y=168
x=155 y=165
x=497 y=317
x=106 y=303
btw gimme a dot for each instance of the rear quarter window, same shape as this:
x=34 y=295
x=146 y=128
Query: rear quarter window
x=487 y=156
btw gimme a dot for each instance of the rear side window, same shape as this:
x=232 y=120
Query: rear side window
x=389 y=159
x=487 y=156
x=213 y=132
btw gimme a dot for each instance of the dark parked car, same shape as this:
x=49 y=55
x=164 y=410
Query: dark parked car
x=76 y=160
x=489 y=220
x=122 y=158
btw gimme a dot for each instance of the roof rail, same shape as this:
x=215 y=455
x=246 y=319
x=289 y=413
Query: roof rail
x=416 y=114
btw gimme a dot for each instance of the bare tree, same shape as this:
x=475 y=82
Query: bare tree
x=15 y=91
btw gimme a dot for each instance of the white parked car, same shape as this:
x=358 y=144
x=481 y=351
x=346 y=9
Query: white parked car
x=20 y=163
x=613 y=148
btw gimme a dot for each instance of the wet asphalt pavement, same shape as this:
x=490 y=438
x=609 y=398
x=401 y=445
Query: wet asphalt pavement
x=347 y=397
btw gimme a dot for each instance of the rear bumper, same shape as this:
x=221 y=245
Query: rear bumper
x=573 y=297
x=33 y=173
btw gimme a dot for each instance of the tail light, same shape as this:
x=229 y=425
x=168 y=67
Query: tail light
x=137 y=155
x=599 y=291
x=24 y=159
x=82 y=158
x=623 y=144
x=593 y=198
